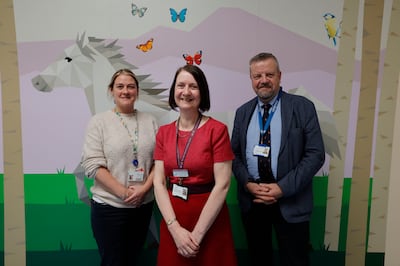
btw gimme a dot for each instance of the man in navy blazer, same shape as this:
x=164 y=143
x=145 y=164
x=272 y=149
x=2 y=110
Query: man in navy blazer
x=282 y=197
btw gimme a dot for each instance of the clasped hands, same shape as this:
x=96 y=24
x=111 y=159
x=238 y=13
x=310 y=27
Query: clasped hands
x=266 y=193
x=134 y=195
x=186 y=242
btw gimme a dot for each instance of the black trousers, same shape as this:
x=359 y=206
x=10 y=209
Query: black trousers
x=293 y=239
x=120 y=233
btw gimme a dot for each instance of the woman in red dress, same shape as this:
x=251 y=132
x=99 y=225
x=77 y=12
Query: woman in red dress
x=193 y=159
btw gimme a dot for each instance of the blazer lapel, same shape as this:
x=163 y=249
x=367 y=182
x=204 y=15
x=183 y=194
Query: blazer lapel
x=246 y=121
x=286 y=114
x=249 y=112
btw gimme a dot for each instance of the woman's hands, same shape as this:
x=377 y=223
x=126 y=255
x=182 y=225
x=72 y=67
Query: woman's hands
x=186 y=245
x=134 y=195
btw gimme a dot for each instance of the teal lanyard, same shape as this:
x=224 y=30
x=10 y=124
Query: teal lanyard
x=263 y=128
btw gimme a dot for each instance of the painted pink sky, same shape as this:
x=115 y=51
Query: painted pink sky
x=54 y=123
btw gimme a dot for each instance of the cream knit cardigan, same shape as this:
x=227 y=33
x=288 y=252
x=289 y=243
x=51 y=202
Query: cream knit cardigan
x=108 y=144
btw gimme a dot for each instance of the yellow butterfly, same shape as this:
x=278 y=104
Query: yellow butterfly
x=145 y=47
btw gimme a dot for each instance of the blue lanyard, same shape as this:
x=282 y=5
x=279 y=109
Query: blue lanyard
x=263 y=128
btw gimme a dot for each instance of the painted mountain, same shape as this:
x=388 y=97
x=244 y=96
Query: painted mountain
x=54 y=123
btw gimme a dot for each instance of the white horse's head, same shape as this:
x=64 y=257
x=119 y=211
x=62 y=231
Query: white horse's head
x=89 y=64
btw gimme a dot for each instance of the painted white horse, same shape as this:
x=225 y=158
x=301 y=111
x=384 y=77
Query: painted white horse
x=89 y=64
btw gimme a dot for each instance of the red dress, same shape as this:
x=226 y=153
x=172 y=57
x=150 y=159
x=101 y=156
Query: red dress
x=209 y=145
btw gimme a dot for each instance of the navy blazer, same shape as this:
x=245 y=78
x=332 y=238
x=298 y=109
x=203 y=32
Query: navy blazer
x=300 y=157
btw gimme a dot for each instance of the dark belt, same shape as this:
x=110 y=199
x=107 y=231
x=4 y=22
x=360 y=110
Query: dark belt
x=195 y=188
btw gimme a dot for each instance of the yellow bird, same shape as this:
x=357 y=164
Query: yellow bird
x=330 y=25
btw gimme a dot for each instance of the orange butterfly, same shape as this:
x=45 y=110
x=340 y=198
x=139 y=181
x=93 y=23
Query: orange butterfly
x=145 y=47
x=193 y=59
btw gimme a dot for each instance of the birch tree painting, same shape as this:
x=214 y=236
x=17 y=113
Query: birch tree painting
x=359 y=197
x=343 y=91
x=14 y=204
x=384 y=134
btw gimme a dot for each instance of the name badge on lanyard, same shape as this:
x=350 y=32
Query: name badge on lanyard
x=261 y=150
x=180 y=191
x=180 y=172
x=136 y=175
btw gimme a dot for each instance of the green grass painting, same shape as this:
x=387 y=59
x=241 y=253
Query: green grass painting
x=58 y=228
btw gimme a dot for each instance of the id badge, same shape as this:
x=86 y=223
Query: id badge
x=261 y=150
x=180 y=191
x=180 y=172
x=136 y=175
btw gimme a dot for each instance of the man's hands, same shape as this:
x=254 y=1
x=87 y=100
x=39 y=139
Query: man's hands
x=265 y=193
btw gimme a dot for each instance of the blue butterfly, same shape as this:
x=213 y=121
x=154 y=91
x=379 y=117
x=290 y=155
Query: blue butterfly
x=175 y=15
x=138 y=11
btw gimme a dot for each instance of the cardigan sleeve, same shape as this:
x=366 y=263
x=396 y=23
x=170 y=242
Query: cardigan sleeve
x=93 y=149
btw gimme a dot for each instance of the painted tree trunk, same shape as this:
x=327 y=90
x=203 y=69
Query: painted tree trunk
x=384 y=134
x=358 y=206
x=341 y=111
x=392 y=256
x=14 y=205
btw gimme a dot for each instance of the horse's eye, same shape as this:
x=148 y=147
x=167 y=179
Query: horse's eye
x=68 y=59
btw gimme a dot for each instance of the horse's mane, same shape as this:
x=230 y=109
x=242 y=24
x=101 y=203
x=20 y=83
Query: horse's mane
x=110 y=51
x=91 y=46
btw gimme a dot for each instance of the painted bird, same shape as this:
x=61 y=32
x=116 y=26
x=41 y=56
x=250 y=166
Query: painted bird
x=330 y=25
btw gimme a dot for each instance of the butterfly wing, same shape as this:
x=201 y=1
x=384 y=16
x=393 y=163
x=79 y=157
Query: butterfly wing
x=149 y=44
x=134 y=9
x=182 y=15
x=174 y=14
x=188 y=58
x=142 y=11
x=197 y=57
x=140 y=47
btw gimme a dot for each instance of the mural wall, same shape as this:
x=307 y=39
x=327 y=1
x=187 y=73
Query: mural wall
x=67 y=51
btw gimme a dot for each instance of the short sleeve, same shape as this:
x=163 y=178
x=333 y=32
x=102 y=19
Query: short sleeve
x=222 y=150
